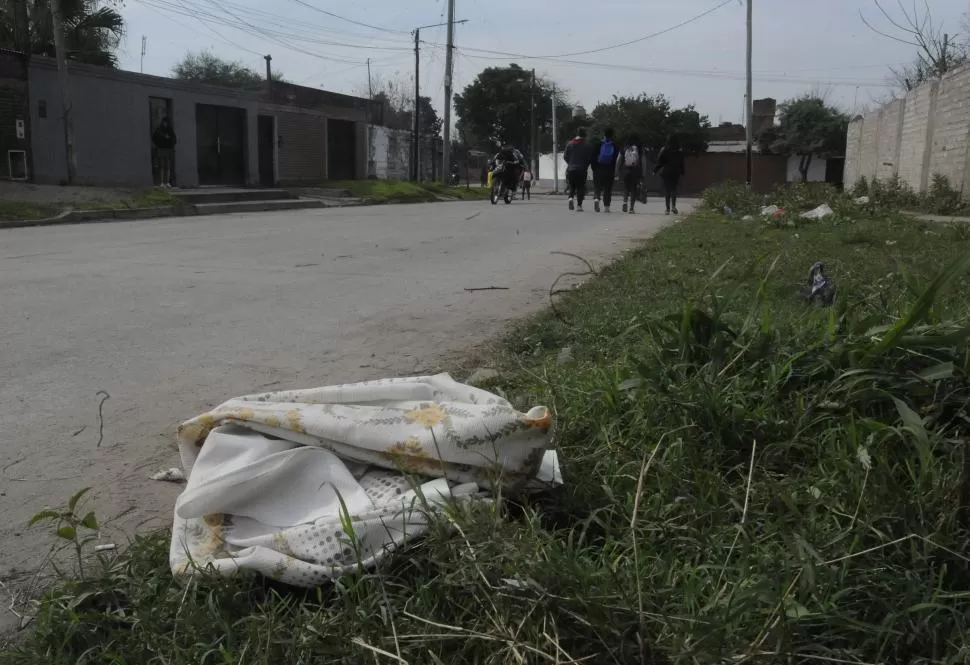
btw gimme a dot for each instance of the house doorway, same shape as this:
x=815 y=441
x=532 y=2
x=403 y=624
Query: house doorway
x=220 y=134
x=341 y=150
x=158 y=108
x=266 y=131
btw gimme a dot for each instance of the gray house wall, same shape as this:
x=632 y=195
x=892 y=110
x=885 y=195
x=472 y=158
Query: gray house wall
x=112 y=126
x=112 y=131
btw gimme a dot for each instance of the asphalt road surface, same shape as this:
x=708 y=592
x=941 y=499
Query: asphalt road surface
x=171 y=317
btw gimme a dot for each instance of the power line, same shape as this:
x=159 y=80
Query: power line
x=349 y=20
x=603 y=48
x=243 y=25
x=700 y=73
x=646 y=37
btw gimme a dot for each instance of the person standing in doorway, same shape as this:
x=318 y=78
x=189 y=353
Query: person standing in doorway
x=670 y=166
x=526 y=184
x=604 y=170
x=576 y=156
x=631 y=169
x=164 y=140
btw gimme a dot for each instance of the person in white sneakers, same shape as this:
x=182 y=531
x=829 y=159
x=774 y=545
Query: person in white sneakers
x=577 y=158
x=631 y=169
x=604 y=170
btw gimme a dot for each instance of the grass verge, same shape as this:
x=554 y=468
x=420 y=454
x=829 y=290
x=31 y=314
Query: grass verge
x=146 y=198
x=403 y=191
x=750 y=479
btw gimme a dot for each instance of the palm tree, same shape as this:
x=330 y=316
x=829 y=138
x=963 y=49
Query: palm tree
x=92 y=29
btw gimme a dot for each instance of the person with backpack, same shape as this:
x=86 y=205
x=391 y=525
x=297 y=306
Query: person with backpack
x=576 y=156
x=604 y=170
x=670 y=166
x=631 y=169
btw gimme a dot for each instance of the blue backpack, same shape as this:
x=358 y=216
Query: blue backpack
x=607 y=150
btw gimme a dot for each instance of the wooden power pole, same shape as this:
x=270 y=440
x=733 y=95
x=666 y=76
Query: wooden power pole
x=63 y=79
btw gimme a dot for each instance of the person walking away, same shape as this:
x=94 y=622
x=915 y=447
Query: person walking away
x=576 y=156
x=631 y=169
x=670 y=166
x=604 y=171
x=526 y=185
x=164 y=140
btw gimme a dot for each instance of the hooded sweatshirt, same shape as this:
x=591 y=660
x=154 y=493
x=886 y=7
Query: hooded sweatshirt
x=576 y=155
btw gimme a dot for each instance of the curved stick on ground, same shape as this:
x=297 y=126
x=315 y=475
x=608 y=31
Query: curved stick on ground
x=553 y=291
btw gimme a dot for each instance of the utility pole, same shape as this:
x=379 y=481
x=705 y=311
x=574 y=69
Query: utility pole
x=533 y=154
x=269 y=68
x=63 y=79
x=144 y=47
x=555 y=145
x=449 y=63
x=749 y=106
x=370 y=85
x=416 y=132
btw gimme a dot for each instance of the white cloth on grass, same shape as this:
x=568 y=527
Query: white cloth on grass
x=304 y=485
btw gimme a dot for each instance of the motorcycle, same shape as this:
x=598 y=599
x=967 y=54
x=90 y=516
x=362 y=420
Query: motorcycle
x=500 y=190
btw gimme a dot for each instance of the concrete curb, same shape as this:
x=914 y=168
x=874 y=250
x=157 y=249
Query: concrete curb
x=101 y=216
x=133 y=214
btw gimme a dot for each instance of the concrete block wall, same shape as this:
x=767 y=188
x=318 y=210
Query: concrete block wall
x=924 y=134
x=948 y=155
x=887 y=140
x=853 y=152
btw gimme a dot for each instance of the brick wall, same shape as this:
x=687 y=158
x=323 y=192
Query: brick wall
x=714 y=168
x=915 y=138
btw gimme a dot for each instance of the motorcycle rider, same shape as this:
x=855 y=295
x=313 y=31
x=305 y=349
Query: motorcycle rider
x=508 y=163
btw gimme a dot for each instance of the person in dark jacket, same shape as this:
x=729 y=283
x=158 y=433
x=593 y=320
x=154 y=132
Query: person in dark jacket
x=605 y=155
x=670 y=166
x=576 y=156
x=631 y=169
x=164 y=140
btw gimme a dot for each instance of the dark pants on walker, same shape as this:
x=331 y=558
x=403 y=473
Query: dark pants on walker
x=670 y=191
x=631 y=186
x=577 y=184
x=603 y=185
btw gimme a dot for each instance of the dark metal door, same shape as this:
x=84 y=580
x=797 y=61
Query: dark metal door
x=207 y=143
x=220 y=133
x=266 y=130
x=341 y=150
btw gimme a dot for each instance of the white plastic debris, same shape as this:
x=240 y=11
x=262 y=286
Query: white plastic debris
x=820 y=212
x=768 y=211
x=173 y=475
x=109 y=547
x=747 y=218
x=862 y=200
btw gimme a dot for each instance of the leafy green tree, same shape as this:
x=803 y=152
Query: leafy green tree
x=93 y=29
x=653 y=120
x=807 y=127
x=495 y=108
x=206 y=67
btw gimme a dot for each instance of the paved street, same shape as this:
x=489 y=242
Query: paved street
x=173 y=316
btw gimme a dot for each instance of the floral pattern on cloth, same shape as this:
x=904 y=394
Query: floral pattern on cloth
x=304 y=485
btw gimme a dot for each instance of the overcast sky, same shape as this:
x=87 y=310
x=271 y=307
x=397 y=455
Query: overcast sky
x=799 y=45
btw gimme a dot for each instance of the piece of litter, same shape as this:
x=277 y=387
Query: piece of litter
x=862 y=200
x=768 y=211
x=820 y=288
x=747 y=218
x=109 y=547
x=173 y=475
x=820 y=212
